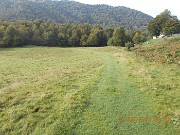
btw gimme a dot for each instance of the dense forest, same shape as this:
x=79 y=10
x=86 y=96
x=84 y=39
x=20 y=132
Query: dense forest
x=66 y=27
x=72 y=12
x=13 y=34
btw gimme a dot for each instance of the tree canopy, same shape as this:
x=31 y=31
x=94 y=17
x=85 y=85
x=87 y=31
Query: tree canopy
x=72 y=12
x=13 y=34
x=165 y=23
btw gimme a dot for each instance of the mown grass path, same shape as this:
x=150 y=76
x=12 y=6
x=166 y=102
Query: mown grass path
x=73 y=91
x=119 y=107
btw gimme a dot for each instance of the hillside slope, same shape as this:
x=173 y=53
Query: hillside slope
x=72 y=12
x=163 y=50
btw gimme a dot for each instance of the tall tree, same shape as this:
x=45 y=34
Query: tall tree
x=8 y=39
x=74 y=40
x=164 y=23
x=109 y=32
x=97 y=37
x=83 y=40
x=119 y=37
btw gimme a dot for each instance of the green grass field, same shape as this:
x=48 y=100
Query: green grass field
x=86 y=91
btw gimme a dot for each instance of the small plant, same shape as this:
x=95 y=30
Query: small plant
x=129 y=45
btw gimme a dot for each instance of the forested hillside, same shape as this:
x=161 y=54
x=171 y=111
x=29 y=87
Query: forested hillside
x=72 y=12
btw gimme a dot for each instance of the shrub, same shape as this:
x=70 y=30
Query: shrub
x=129 y=45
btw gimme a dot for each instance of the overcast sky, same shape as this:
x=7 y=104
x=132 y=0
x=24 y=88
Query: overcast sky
x=151 y=7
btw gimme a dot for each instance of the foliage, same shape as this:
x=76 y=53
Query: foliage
x=66 y=11
x=118 y=38
x=165 y=23
x=139 y=37
x=129 y=45
x=14 y=34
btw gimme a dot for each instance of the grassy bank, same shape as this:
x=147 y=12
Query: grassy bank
x=161 y=51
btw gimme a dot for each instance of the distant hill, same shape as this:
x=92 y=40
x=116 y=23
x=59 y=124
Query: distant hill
x=72 y=12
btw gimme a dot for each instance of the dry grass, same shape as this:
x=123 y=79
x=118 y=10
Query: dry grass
x=163 y=51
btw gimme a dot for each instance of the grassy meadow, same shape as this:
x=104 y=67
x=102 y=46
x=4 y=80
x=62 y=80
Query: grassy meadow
x=88 y=91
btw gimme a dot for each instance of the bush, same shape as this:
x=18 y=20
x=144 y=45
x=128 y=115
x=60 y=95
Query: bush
x=129 y=45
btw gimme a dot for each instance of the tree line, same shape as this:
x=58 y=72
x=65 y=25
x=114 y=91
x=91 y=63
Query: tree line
x=14 y=34
x=164 y=23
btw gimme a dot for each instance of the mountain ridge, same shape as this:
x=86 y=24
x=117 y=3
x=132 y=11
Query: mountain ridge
x=73 y=12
